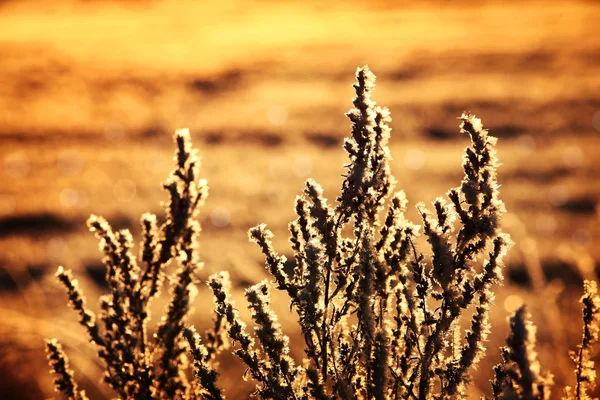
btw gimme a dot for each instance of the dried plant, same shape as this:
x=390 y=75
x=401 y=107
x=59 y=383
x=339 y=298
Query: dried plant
x=136 y=366
x=584 y=366
x=380 y=317
x=520 y=376
x=64 y=375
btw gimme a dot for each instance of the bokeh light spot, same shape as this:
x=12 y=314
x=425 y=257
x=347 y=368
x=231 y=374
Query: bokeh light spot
x=512 y=302
x=125 y=190
x=414 y=158
x=69 y=197
x=219 y=217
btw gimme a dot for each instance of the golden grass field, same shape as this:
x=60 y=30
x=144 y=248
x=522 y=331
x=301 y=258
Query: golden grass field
x=91 y=93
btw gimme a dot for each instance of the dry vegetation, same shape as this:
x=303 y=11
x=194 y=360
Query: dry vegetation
x=91 y=92
x=379 y=318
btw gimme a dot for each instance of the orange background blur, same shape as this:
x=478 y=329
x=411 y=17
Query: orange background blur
x=92 y=91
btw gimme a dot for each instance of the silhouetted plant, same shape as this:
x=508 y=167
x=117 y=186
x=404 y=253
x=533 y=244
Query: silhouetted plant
x=380 y=317
x=136 y=366
x=520 y=376
x=584 y=366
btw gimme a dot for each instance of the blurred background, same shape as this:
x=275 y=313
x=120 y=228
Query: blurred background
x=92 y=91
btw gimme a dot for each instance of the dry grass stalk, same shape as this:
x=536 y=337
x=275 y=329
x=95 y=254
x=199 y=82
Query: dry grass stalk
x=584 y=366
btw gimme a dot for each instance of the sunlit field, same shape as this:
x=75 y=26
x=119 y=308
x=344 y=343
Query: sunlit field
x=92 y=92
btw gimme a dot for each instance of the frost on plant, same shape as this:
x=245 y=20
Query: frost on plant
x=380 y=311
x=136 y=365
x=379 y=316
